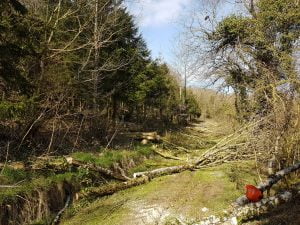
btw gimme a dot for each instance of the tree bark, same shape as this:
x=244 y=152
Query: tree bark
x=164 y=171
x=270 y=182
x=97 y=168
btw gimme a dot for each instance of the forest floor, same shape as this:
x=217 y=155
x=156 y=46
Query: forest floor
x=187 y=196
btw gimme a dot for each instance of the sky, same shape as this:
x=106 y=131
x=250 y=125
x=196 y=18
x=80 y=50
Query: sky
x=160 y=22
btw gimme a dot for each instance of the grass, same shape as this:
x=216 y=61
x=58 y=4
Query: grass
x=182 y=194
x=29 y=181
x=109 y=157
x=154 y=163
x=32 y=183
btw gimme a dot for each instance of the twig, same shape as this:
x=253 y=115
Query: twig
x=112 y=138
x=75 y=143
x=167 y=156
x=51 y=139
x=27 y=132
x=59 y=214
x=6 y=157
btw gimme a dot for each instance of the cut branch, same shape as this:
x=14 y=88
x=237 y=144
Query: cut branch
x=164 y=171
x=271 y=181
x=96 y=168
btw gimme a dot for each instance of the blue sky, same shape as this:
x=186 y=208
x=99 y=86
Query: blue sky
x=159 y=22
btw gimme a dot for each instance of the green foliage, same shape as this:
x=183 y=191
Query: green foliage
x=55 y=63
x=193 y=105
x=230 y=31
x=109 y=157
x=12 y=176
x=16 y=111
x=264 y=46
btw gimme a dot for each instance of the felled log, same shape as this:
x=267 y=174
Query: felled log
x=166 y=156
x=112 y=188
x=151 y=136
x=265 y=205
x=139 y=179
x=278 y=176
x=13 y=165
x=145 y=136
x=270 y=182
x=253 y=210
x=164 y=171
x=96 y=168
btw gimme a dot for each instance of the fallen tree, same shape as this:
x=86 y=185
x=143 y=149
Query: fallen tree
x=166 y=156
x=96 y=168
x=164 y=171
x=270 y=182
x=138 y=179
x=252 y=210
x=111 y=188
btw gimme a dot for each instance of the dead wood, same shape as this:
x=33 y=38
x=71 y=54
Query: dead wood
x=165 y=155
x=164 y=171
x=254 y=210
x=96 y=168
x=271 y=181
x=60 y=213
x=139 y=179
x=9 y=186
x=110 y=189
x=150 y=136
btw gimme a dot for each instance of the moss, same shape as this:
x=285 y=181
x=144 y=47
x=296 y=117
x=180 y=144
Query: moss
x=12 y=175
x=154 y=163
x=30 y=180
x=182 y=194
x=35 y=183
x=109 y=157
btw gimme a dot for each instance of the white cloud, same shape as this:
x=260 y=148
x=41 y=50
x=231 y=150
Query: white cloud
x=158 y=12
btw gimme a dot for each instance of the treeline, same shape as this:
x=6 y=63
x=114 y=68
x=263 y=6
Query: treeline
x=216 y=105
x=257 y=56
x=70 y=70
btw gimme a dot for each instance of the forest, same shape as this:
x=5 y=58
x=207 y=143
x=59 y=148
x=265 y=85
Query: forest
x=70 y=70
x=95 y=130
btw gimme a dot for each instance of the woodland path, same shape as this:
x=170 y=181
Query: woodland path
x=187 y=196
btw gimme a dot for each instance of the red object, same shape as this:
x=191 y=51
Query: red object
x=253 y=194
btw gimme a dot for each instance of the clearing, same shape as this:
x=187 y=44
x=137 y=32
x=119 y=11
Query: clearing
x=187 y=196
